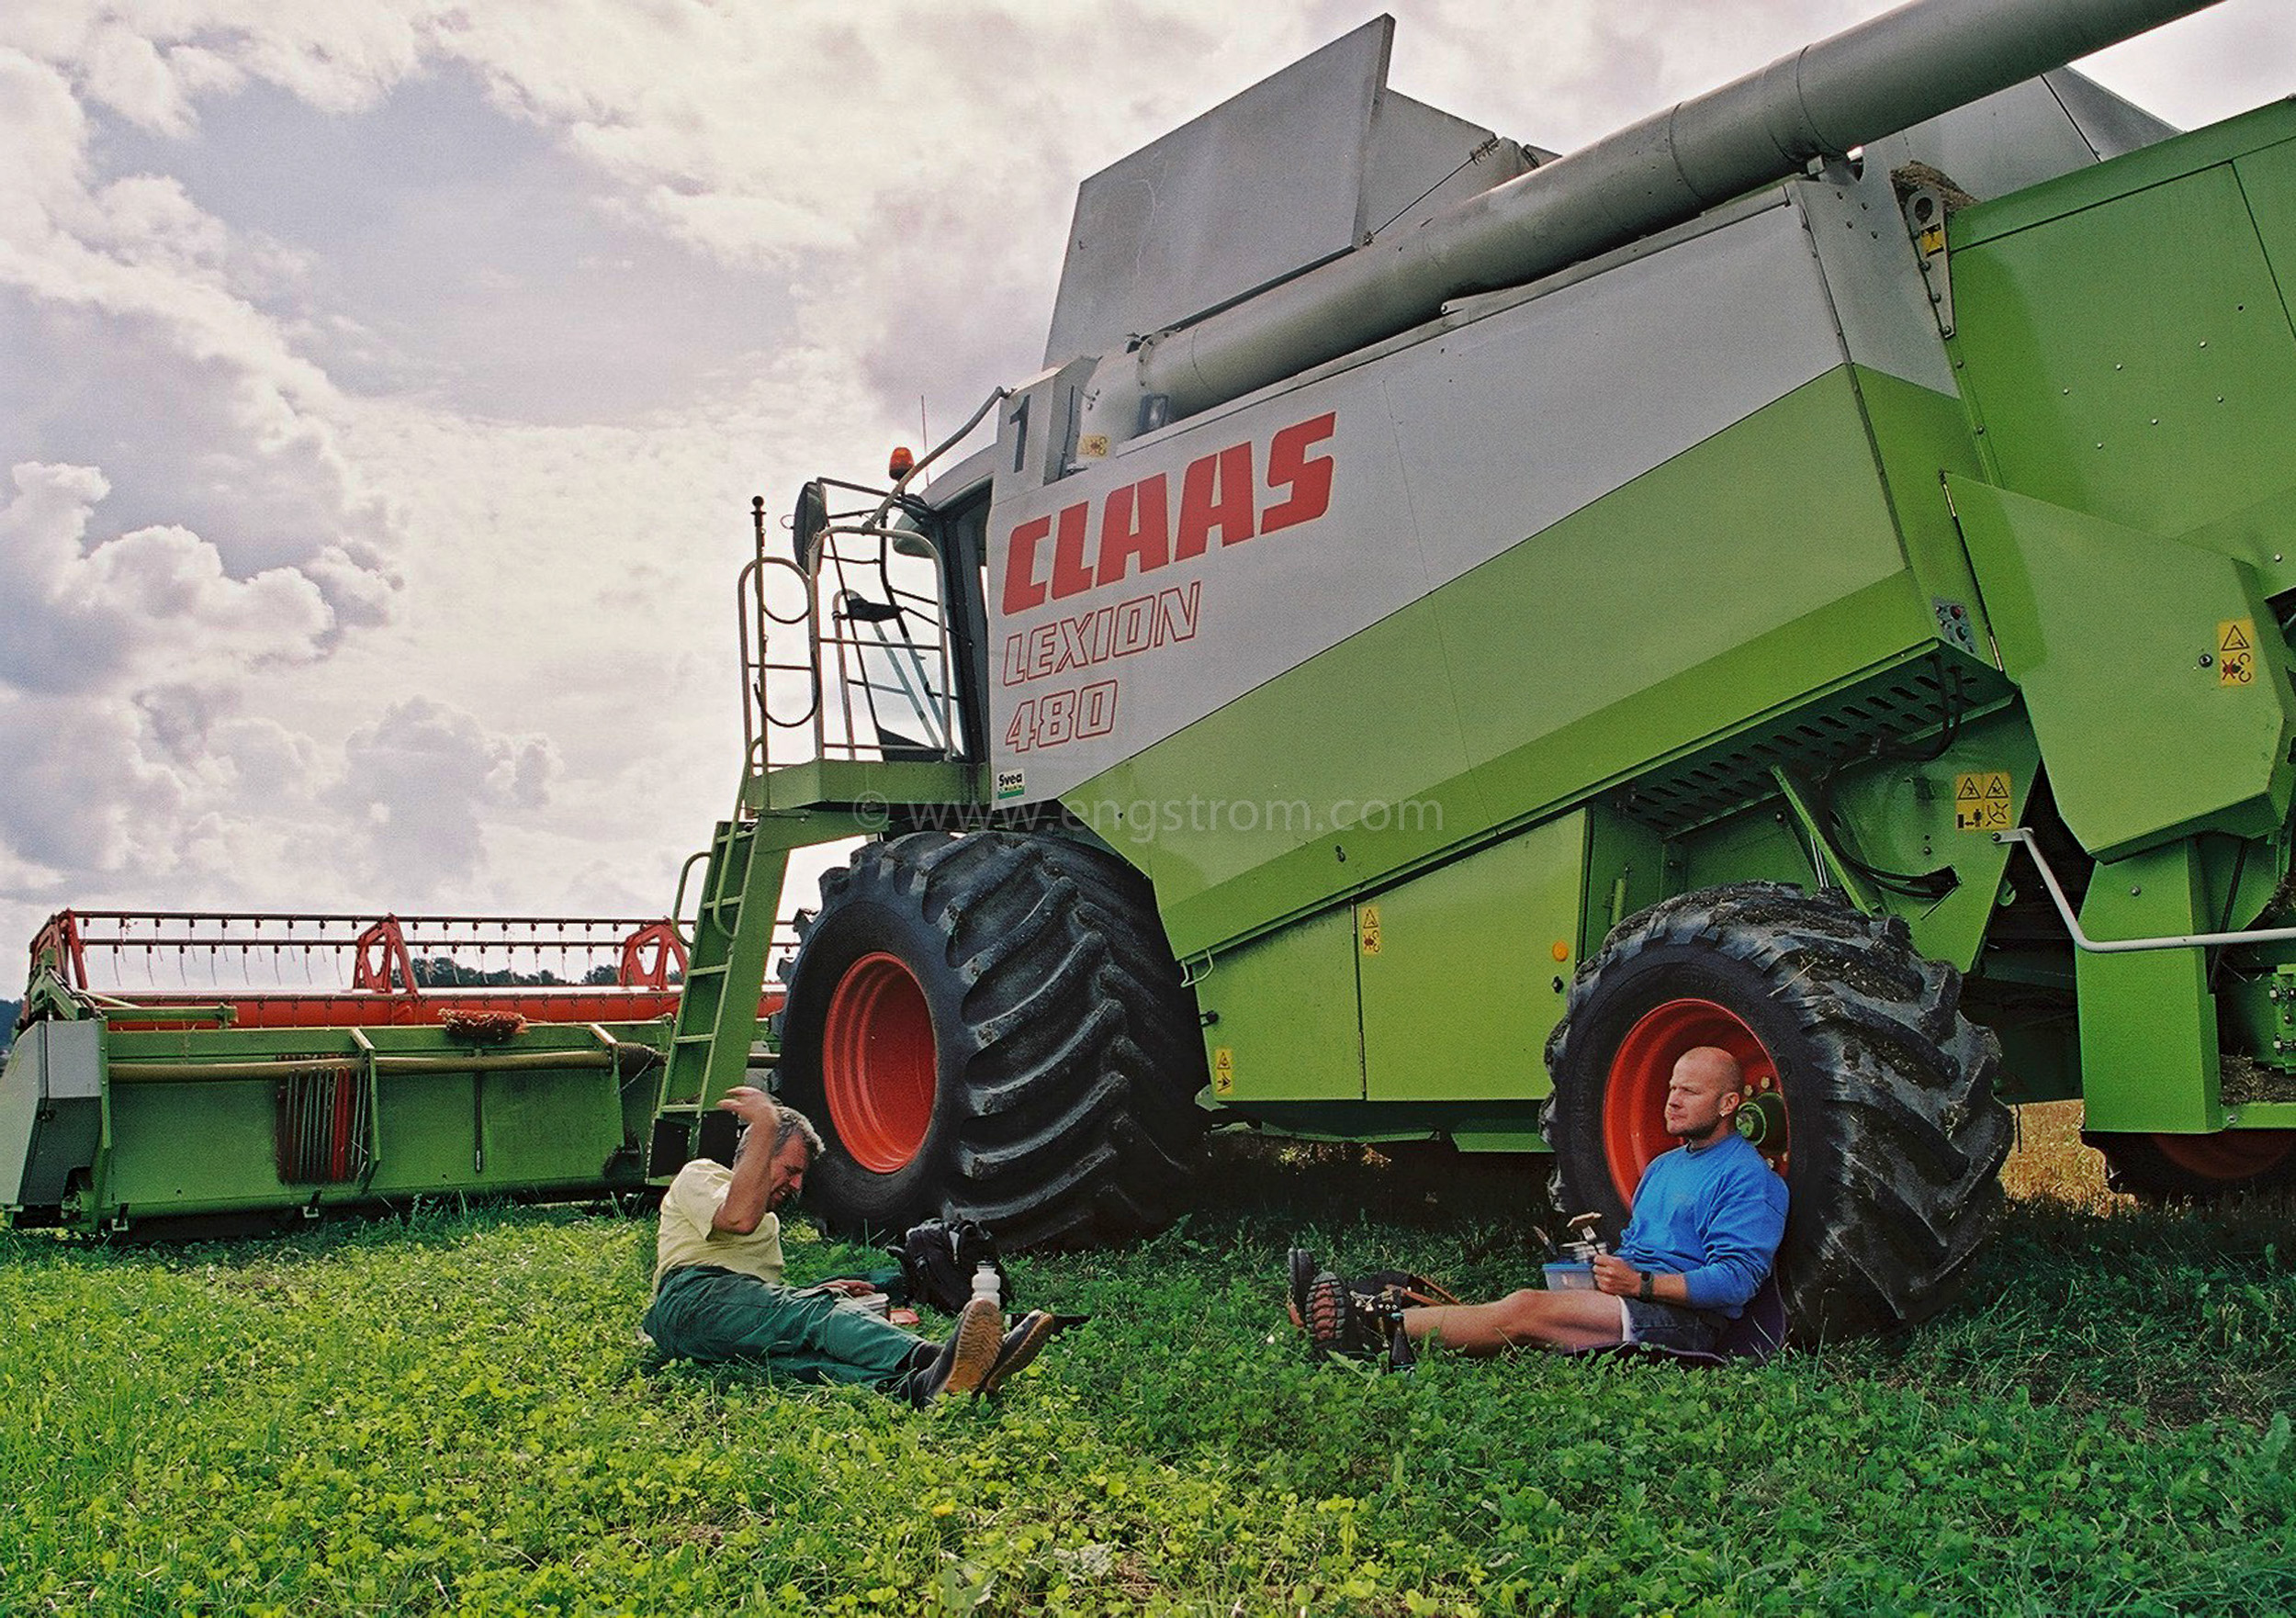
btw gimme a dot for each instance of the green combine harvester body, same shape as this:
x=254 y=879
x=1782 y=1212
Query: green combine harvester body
x=2058 y=560
x=1453 y=627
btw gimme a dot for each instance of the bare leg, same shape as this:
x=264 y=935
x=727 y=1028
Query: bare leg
x=1521 y=1320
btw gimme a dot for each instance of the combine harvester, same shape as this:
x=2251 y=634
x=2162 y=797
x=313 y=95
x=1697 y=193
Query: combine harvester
x=1807 y=573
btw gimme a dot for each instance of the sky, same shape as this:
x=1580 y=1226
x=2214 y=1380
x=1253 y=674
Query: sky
x=383 y=383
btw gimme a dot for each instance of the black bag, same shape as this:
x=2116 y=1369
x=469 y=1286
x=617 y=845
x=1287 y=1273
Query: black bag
x=938 y=1259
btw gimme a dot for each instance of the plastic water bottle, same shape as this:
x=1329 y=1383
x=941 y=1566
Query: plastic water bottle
x=987 y=1284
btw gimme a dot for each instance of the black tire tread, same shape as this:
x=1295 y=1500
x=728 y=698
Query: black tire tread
x=1077 y=1054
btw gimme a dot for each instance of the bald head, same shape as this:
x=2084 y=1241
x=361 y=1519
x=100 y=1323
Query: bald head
x=1705 y=1090
x=1713 y=1064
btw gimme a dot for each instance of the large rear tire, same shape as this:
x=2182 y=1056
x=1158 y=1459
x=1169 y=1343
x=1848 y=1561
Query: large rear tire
x=991 y=1027
x=1865 y=1088
x=2171 y=1169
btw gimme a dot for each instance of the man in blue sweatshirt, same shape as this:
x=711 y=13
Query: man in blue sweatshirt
x=1707 y=1223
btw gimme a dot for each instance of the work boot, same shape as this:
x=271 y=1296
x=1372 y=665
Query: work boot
x=1374 y=1292
x=963 y=1360
x=1350 y=1325
x=1303 y=1270
x=1037 y=1328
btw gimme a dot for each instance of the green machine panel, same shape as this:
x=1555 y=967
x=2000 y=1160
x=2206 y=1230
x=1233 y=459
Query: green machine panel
x=201 y=1120
x=1462 y=970
x=205 y=1145
x=2148 y=1024
x=2155 y=672
x=1280 y=1015
x=424 y=1134
x=2129 y=353
x=1274 y=804
x=541 y=1129
x=1443 y=988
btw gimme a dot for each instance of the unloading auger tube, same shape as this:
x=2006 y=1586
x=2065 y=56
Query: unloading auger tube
x=1823 y=101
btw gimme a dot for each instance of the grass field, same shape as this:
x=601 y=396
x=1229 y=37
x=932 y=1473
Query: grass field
x=448 y=1414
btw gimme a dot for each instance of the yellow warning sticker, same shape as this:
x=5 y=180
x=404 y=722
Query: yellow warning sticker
x=1368 y=929
x=1224 y=1072
x=2236 y=652
x=1982 y=801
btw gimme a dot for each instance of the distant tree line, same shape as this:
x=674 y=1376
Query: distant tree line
x=8 y=1009
x=443 y=971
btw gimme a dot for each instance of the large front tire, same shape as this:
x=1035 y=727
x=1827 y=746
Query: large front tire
x=991 y=1027
x=1866 y=1089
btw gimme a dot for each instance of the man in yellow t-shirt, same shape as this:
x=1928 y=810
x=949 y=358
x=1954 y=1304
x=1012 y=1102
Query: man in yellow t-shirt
x=719 y=1295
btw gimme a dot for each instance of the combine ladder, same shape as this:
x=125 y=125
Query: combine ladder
x=716 y=1025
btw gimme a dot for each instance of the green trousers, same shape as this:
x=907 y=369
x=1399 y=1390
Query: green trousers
x=704 y=1313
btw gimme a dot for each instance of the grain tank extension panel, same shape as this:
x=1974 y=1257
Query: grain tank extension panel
x=1297 y=170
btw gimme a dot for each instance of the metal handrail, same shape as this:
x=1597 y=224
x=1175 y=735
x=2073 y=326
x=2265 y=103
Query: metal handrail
x=2024 y=838
x=901 y=485
x=934 y=702
x=923 y=667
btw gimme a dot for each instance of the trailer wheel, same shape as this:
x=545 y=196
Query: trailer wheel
x=991 y=1027
x=2197 y=1168
x=1865 y=1088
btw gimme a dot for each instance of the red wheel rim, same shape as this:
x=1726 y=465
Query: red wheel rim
x=2228 y=1156
x=1633 y=1102
x=877 y=1063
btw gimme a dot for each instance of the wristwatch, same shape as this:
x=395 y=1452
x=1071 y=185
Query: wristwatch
x=1648 y=1291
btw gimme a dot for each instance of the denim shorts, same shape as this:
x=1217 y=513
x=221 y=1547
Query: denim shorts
x=1668 y=1325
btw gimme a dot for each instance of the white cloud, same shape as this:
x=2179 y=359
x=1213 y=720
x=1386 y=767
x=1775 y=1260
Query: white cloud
x=419 y=781
x=47 y=138
x=87 y=804
x=126 y=72
x=138 y=609
x=125 y=662
x=149 y=59
x=135 y=302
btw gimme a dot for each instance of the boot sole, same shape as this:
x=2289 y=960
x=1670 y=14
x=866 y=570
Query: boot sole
x=1018 y=1357
x=1328 y=1315
x=1302 y=1263
x=980 y=1338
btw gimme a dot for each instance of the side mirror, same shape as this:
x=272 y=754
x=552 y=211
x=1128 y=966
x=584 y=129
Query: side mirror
x=811 y=519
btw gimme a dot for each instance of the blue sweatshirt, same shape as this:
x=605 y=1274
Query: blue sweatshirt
x=1714 y=1217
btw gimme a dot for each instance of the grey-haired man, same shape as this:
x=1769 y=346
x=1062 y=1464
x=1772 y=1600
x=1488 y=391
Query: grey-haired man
x=719 y=1294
